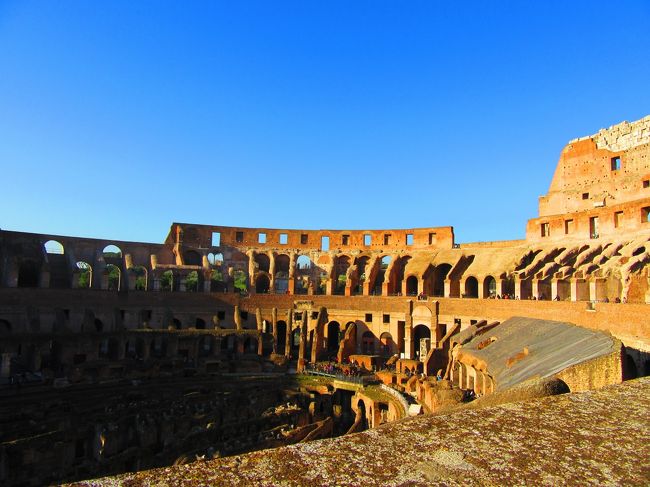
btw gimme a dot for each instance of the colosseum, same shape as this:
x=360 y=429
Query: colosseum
x=395 y=348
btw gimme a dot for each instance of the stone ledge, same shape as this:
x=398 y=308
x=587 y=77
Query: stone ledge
x=596 y=437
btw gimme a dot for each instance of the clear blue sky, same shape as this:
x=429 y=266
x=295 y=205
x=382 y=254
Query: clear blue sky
x=118 y=118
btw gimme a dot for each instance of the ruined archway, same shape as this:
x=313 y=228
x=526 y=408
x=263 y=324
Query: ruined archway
x=113 y=277
x=412 y=286
x=333 y=336
x=489 y=287
x=471 y=287
x=421 y=341
x=281 y=281
x=440 y=273
x=167 y=281
x=83 y=275
x=262 y=284
x=139 y=277
x=341 y=266
x=263 y=262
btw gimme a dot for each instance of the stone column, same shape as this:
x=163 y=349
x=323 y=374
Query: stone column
x=302 y=352
x=292 y=273
x=237 y=319
x=274 y=320
x=272 y=272
x=260 y=331
x=289 y=334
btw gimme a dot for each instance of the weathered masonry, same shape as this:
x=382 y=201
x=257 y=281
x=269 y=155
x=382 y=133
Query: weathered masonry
x=228 y=302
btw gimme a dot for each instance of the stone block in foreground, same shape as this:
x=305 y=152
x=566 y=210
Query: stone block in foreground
x=597 y=437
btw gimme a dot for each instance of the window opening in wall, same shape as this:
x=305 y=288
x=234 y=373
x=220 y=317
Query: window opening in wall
x=645 y=214
x=545 y=230
x=386 y=318
x=585 y=196
x=432 y=238
x=568 y=226
x=409 y=239
x=345 y=240
x=314 y=315
x=216 y=239
x=221 y=315
x=244 y=315
x=457 y=321
x=297 y=317
x=261 y=238
x=387 y=239
x=593 y=227
x=284 y=239
x=646 y=183
x=304 y=238
x=53 y=247
x=367 y=240
x=239 y=237
x=472 y=322
x=324 y=243
x=618 y=218
x=616 y=163
x=368 y=317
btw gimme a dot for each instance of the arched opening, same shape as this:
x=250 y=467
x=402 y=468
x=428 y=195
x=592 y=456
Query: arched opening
x=99 y=326
x=295 y=342
x=217 y=283
x=112 y=252
x=57 y=265
x=333 y=336
x=84 y=275
x=192 y=281
x=629 y=368
x=489 y=287
x=399 y=268
x=282 y=337
x=139 y=277
x=5 y=327
x=376 y=287
x=263 y=262
x=471 y=287
x=357 y=284
x=28 y=274
x=439 y=275
x=54 y=247
x=421 y=341
x=239 y=281
x=167 y=281
x=361 y=414
x=113 y=277
x=215 y=259
x=303 y=274
x=368 y=343
x=412 y=286
x=262 y=284
x=387 y=344
x=199 y=324
x=191 y=257
x=282 y=274
x=341 y=266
